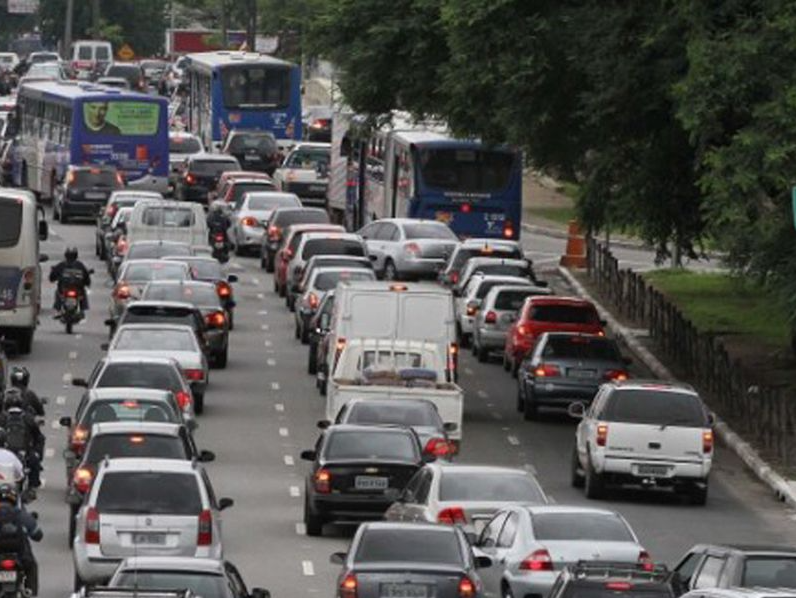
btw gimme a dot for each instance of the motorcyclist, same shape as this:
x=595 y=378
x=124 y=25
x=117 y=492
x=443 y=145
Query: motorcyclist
x=70 y=265
x=20 y=378
x=17 y=528
x=22 y=434
x=218 y=217
x=11 y=468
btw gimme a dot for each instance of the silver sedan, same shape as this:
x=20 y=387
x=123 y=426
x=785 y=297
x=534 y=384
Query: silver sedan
x=250 y=215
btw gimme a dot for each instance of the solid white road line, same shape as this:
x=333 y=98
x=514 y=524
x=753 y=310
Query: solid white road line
x=301 y=529
x=289 y=460
x=307 y=567
x=295 y=492
x=279 y=407
x=513 y=440
x=284 y=432
x=274 y=385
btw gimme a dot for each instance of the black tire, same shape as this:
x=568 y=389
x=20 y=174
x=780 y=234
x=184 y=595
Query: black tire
x=506 y=363
x=390 y=271
x=231 y=318
x=282 y=290
x=323 y=387
x=305 y=335
x=269 y=263
x=530 y=410
x=595 y=488
x=239 y=250
x=520 y=399
x=481 y=353
x=72 y=525
x=698 y=494
x=312 y=522
x=505 y=591
x=465 y=340
x=77 y=582
x=220 y=359
x=62 y=217
x=312 y=361
x=69 y=326
x=291 y=302
x=25 y=341
x=576 y=478
x=97 y=248
x=199 y=403
x=296 y=329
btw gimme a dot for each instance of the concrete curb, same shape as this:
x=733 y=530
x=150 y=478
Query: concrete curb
x=556 y=233
x=779 y=485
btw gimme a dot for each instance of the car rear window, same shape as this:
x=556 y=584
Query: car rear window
x=205 y=269
x=480 y=485
x=503 y=270
x=154 y=339
x=155 y=251
x=207 y=585
x=409 y=546
x=213 y=168
x=270 y=202
x=152 y=271
x=326 y=281
x=580 y=347
x=195 y=294
x=621 y=590
x=146 y=314
x=402 y=413
x=262 y=143
x=769 y=571
x=331 y=247
x=150 y=493
x=10 y=222
x=465 y=254
x=574 y=526
x=370 y=445
x=654 y=407
x=487 y=285
x=184 y=145
x=566 y=314
x=168 y=217
x=308 y=158
x=116 y=446
x=129 y=410
x=285 y=219
x=511 y=300
x=428 y=230
x=94 y=177
x=140 y=375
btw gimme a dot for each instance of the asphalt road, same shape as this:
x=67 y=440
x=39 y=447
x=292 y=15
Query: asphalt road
x=261 y=412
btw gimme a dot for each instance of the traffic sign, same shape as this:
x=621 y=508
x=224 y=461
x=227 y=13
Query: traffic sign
x=125 y=53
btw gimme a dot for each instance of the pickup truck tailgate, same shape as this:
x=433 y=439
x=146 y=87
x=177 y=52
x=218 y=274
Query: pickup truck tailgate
x=645 y=442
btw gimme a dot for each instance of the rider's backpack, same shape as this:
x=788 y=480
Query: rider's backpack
x=17 y=432
x=12 y=532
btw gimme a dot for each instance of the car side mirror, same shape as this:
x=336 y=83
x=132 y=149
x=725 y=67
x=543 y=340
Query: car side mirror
x=627 y=361
x=43 y=257
x=65 y=421
x=260 y=593
x=232 y=278
x=338 y=558
x=44 y=400
x=576 y=410
x=105 y=346
x=225 y=503
x=450 y=426
x=206 y=456
x=109 y=322
x=711 y=418
x=428 y=458
x=603 y=323
x=308 y=455
x=482 y=562
x=80 y=382
x=44 y=230
x=323 y=424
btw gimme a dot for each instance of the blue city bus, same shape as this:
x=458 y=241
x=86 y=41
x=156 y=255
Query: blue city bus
x=424 y=173
x=243 y=90
x=62 y=123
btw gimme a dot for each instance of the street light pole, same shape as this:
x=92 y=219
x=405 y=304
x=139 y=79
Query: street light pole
x=70 y=10
x=251 y=27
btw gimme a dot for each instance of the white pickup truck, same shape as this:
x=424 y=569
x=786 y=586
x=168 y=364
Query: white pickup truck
x=644 y=433
x=395 y=369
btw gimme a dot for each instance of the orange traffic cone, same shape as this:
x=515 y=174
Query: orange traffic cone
x=576 y=248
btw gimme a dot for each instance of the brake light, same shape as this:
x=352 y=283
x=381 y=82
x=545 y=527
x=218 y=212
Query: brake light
x=250 y=222
x=454 y=276
x=412 y=249
x=194 y=375
x=508 y=230
x=465 y=208
x=71 y=293
x=79 y=437
x=453 y=359
x=645 y=561
x=439 y=447
x=522 y=329
x=618 y=586
x=338 y=349
x=120 y=179
x=82 y=479
x=348 y=587
x=616 y=375
x=323 y=481
x=289 y=253
x=223 y=289
x=546 y=370
x=189 y=179
x=110 y=211
x=490 y=317
x=121 y=246
x=215 y=320
x=71 y=177
x=602 y=434
x=472 y=309
x=452 y=516
x=538 y=560
x=183 y=399
x=313 y=301
x=218 y=237
x=466 y=588
x=8 y=564
x=707 y=441
x=92 y=526
x=274 y=233
x=122 y=291
x=204 y=536
x=398 y=287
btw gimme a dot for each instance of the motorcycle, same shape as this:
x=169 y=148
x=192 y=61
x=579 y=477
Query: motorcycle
x=220 y=246
x=12 y=577
x=72 y=296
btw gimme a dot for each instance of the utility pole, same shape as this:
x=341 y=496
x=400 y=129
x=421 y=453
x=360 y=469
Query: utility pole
x=70 y=10
x=251 y=26
x=224 y=25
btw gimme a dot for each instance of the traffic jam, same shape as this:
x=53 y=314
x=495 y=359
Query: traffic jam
x=383 y=342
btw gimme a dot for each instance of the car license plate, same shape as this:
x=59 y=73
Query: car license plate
x=649 y=469
x=364 y=482
x=404 y=590
x=579 y=373
x=251 y=158
x=70 y=303
x=317 y=188
x=90 y=195
x=149 y=538
x=8 y=576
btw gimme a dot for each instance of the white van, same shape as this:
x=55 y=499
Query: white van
x=161 y=220
x=21 y=228
x=90 y=56
x=397 y=311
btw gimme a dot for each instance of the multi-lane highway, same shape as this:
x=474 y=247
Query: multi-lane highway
x=261 y=412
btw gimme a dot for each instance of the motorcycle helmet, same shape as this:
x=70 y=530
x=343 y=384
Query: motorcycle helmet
x=8 y=494
x=70 y=254
x=20 y=376
x=14 y=399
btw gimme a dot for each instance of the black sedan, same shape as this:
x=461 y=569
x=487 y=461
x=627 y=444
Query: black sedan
x=357 y=471
x=208 y=269
x=409 y=560
x=566 y=367
x=200 y=176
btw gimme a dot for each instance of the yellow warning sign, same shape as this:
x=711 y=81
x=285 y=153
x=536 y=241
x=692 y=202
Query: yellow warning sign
x=125 y=53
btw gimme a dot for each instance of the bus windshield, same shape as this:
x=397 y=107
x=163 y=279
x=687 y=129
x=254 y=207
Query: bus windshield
x=465 y=170
x=121 y=118
x=256 y=86
x=10 y=222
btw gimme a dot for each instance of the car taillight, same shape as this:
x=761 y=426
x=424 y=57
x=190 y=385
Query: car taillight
x=547 y=370
x=602 y=434
x=348 y=587
x=120 y=179
x=439 y=447
x=78 y=439
x=122 y=291
x=249 y=221
x=323 y=481
x=110 y=210
x=8 y=564
x=538 y=560
x=465 y=208
x=204 y=536
x=193 y=375
x=466 y=588
x=452 y=516
x=645 y=561
x=82 y=479
x=412 y=249
x=189 y=179
x=288 y=254
x=71 y=293
x=338 y=349
x=183 y=399
x=215 y=320
x=615 y=375
x=707 y=441
x=490 y=317
x=223 y=289
x=313 y=301
x=274 y=233
x=452 y=363
x=121 y=246
x=454 y=277
x=472 y=309
x=92 y=526
x=508 y=230
x=71 y=177
x=218 y=237
x=618 y=586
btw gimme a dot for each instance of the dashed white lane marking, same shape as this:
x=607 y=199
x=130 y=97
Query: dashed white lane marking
x=60 y=400
x=72 y=354
x=308 y=569
x=289 y=460
x=270 y=362
x=274 y=385
x=279 y=407
x=490 y=404
x=513 y=440
x=48 y=453
x=67 y=378
x=268 y=343
x=295 y=492
x=496 y=415
x=264 y=327
x=301 y=529
x=468 y=371
x=263 y=312
x=78 y=336
x=55 y=424
x=260 y=296
x=256 y=280
x=483 y=394
x=284 y=432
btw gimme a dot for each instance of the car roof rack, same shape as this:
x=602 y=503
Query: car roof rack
x=126 y=592
x=611 y=569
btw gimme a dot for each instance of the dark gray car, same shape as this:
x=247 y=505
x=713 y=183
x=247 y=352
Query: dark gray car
x=416 y=560
x=567 y=367
x=742 y=565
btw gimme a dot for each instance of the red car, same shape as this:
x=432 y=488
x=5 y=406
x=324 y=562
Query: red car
x=287 y=249
x=548 y=314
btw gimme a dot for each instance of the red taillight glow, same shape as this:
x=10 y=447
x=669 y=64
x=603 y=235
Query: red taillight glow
x=92 y=526
x=615 y=375
x=323 y=481
x=645 y=561
x=79 y=437
x=223 y=289
x=618 y=586
x=454 y=277
x=508 y=230
x=412 y=249
x=465 y=208
x=122 y=291
x=8 y=564
x=121 y=246
x=183 y=399
x=538 y=560
x=120 y=179
x=189 y=179
x=71 y=177
x=338 y=349
x=194 y=375
x=453 y=358
x=602 y=434
x=313 y=301
x=274 y=233
x=250 y=222
x=547 y=370
x=110 y=211
x=707 y=441
x=205 y=529
x=522 y=329
x=466 y=588
x=472 y=309
x=71 y=293
x=490 y=317
x=452 y=516
x=218 y=236
x=348 y=587
x=82 y=479
x=439 y=447
x=215 y=320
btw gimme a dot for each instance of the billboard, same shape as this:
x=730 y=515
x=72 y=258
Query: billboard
x=23 y=7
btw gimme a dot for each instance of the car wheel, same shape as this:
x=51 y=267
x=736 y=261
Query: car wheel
x=25 y=341
x=312 y=361
x=506 y=364
x=505 y=591
x=269 y=263
x=231 y=318
x=282 y=290
x=263 y=263
x=323 y=387
x=530 y=409
x=199 y=403
x=291 y=301
x=305 y=335
x=296 y=329
x=312 y=522
x=482 y=354
x=97 y=248
x=390 y=272
x=72 y=525
x=577 y=478
x=77 y=582
x=239 y=251
x=222 y=358
x=698 y=494
x=520 y=398
x=594 y=482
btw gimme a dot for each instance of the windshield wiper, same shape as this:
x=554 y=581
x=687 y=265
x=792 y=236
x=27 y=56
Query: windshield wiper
x=671 y=422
